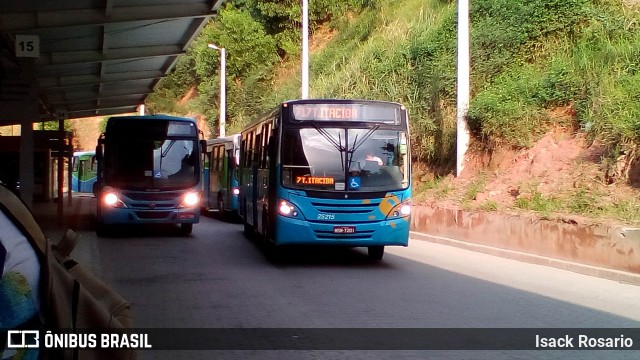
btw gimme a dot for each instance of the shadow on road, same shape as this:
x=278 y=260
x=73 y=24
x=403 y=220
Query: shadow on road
x=142 y=231
x=309 y=255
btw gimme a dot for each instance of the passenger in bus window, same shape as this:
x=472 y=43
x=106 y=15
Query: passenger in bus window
x=374 y=159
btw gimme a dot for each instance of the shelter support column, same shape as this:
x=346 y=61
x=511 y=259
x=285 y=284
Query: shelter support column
x=60 y=171
x=29 y=115
x=69 y=151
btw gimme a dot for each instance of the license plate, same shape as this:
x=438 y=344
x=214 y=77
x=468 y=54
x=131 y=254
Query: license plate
x=344 y=229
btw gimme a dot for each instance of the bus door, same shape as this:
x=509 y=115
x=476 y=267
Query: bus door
x=257 y=199
x=230 y=171
x=272 y=149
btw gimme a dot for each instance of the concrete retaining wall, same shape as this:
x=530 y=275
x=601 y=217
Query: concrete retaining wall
x=612 y=247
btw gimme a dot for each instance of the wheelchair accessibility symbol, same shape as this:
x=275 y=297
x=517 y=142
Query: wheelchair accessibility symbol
x=354 y=182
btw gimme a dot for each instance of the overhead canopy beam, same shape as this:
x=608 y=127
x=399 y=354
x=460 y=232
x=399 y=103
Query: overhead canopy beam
x=59 y=82
x=102 y=111
x=57 y=99
x=43 y=20
x=83 y=106
x=90 y=56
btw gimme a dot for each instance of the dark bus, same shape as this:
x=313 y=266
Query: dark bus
x=149 y=172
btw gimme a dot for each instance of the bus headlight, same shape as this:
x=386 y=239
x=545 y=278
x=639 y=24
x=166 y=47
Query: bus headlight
x=190 y=199
x=286 y=209
x=111 y=199
x=401 y=210
x=236 y=191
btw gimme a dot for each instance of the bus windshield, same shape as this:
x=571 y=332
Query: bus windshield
x=338 y=159
x=153 y=159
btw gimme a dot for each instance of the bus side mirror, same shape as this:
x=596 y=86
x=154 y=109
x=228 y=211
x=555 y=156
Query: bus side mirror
x=403 y=144
x=203 y=146
x=403 y=149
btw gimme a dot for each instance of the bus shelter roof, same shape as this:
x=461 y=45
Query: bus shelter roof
x=86 y=58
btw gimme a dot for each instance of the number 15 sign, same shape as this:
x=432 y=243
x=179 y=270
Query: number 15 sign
x=27 y=46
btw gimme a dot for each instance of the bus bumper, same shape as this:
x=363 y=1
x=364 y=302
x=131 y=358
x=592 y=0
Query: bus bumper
x=292 y=231
x=131 y=216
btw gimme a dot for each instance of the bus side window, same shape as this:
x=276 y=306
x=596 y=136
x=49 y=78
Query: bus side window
x=250 y=149
x=263 y=147
x=266 y=133
x=271 y=146
x=243 y=153
x=258 y=149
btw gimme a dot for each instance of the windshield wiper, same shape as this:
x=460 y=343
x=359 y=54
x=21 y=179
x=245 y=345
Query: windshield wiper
x=357 y=144
x=337 y=144
x=164 y=152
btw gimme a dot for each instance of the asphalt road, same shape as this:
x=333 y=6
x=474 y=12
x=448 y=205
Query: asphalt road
x=216 y=278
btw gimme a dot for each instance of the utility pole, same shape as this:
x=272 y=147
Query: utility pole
x=223 y=87
x=462 y=129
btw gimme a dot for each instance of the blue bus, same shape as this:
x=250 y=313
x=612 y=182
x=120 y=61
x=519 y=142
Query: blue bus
x=84 y=171
x=149 y=172
x=328 y=172
x=220 y=175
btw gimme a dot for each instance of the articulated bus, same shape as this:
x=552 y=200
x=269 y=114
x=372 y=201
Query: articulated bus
x=84 y=171
x=149 y=172
x=220 y=175
x=328 y=172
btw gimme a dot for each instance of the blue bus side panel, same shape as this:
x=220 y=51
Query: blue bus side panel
x=74 y=182
x=83 y=186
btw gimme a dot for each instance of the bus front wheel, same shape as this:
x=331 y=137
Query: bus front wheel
x=186 y=229
x=248 y=230
x=376 y=252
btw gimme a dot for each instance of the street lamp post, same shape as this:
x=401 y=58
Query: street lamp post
x=305 y=49
x=223 y=87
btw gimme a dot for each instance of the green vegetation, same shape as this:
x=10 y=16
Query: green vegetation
x=583 y=202
x=528 y=58
x=52 y=125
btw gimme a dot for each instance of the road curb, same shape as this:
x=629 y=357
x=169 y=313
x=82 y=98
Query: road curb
x=610 y=274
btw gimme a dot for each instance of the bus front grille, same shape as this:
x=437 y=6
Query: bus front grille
x=151 y=196
x=349 y=208
x=151 y=206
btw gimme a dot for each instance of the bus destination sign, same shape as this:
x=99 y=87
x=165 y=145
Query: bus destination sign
x=346 y=112
x=314 y=180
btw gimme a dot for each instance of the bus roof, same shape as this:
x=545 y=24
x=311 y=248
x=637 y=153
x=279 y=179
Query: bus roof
x=82 y=153
x=151 y=117
x=340 y=101
x=229 y=141
x=316 y=101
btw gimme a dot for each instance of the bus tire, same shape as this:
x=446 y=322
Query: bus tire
x=220 y=204
x=101 y=229
x=186 y=229
x=248 y=230
x=266 y=227
x=375 y=252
